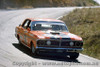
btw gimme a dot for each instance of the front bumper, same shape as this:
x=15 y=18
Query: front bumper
x=61 y=50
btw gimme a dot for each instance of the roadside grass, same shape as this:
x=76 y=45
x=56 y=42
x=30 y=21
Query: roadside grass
x=44 y=3
x=85 y=22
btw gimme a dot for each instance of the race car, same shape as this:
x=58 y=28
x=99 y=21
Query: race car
x=48 y=35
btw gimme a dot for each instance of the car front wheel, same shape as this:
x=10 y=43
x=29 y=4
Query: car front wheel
x=33 y=50
x=74 y=55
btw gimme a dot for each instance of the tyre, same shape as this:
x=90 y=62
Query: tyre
x=19 y=40
x=33 y=50
x=74 y=55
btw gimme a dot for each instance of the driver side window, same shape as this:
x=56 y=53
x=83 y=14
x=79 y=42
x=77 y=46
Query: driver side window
x=26 y=24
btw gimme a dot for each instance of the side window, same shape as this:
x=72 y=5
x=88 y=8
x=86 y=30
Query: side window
x=26 y=24
x=29 y=25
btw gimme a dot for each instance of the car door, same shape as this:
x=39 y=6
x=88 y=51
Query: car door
x=25 y=31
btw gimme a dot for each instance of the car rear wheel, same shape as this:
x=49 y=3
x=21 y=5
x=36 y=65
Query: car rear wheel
x=19 y=40
x=74 y=56
x=33 y=50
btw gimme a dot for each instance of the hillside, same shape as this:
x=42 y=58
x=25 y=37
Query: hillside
x=44 y=3
x=86 y=23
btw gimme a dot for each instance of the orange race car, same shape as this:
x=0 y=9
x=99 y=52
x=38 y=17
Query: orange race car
x=48 y=35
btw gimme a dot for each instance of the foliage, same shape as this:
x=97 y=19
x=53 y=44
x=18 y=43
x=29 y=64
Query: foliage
x=86 y=23
x=44 y=3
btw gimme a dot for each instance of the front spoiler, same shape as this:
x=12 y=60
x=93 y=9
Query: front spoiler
x=60 y=49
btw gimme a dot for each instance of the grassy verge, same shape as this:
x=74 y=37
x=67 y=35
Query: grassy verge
x=44 y=3
x=86 y=23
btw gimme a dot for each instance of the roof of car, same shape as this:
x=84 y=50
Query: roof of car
x=44 y=19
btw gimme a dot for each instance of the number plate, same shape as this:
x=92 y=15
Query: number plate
x=59 y=50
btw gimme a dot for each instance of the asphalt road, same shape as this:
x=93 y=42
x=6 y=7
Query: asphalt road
x=14 y=55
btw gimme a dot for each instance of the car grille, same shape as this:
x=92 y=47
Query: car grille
x=55 y=43
x=44 y=43
x=67 y=43
x=59 y=43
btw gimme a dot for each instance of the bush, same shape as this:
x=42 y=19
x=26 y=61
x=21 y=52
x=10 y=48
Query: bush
x=86 y=23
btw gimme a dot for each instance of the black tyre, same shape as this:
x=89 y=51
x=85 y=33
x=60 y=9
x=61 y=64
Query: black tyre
x=74 y=55
x=19 y=40
x=33 y=50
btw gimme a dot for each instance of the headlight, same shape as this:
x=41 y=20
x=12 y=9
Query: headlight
x=41 y=42
x=71 y=43
x=78 y=43
x=48 y=42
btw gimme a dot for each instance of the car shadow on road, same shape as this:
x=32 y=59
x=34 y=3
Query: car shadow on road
x=45 y=56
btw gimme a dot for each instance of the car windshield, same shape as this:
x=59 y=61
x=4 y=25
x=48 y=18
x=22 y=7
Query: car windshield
x=45 y=25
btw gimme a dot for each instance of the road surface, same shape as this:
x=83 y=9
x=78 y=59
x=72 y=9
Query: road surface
x=14 y=55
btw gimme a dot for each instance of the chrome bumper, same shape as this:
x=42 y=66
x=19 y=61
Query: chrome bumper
x=61 y=49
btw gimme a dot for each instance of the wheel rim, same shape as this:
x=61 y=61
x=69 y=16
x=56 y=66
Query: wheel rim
x=33 y=49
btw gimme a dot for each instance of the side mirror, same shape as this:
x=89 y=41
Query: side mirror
x=19 y=24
